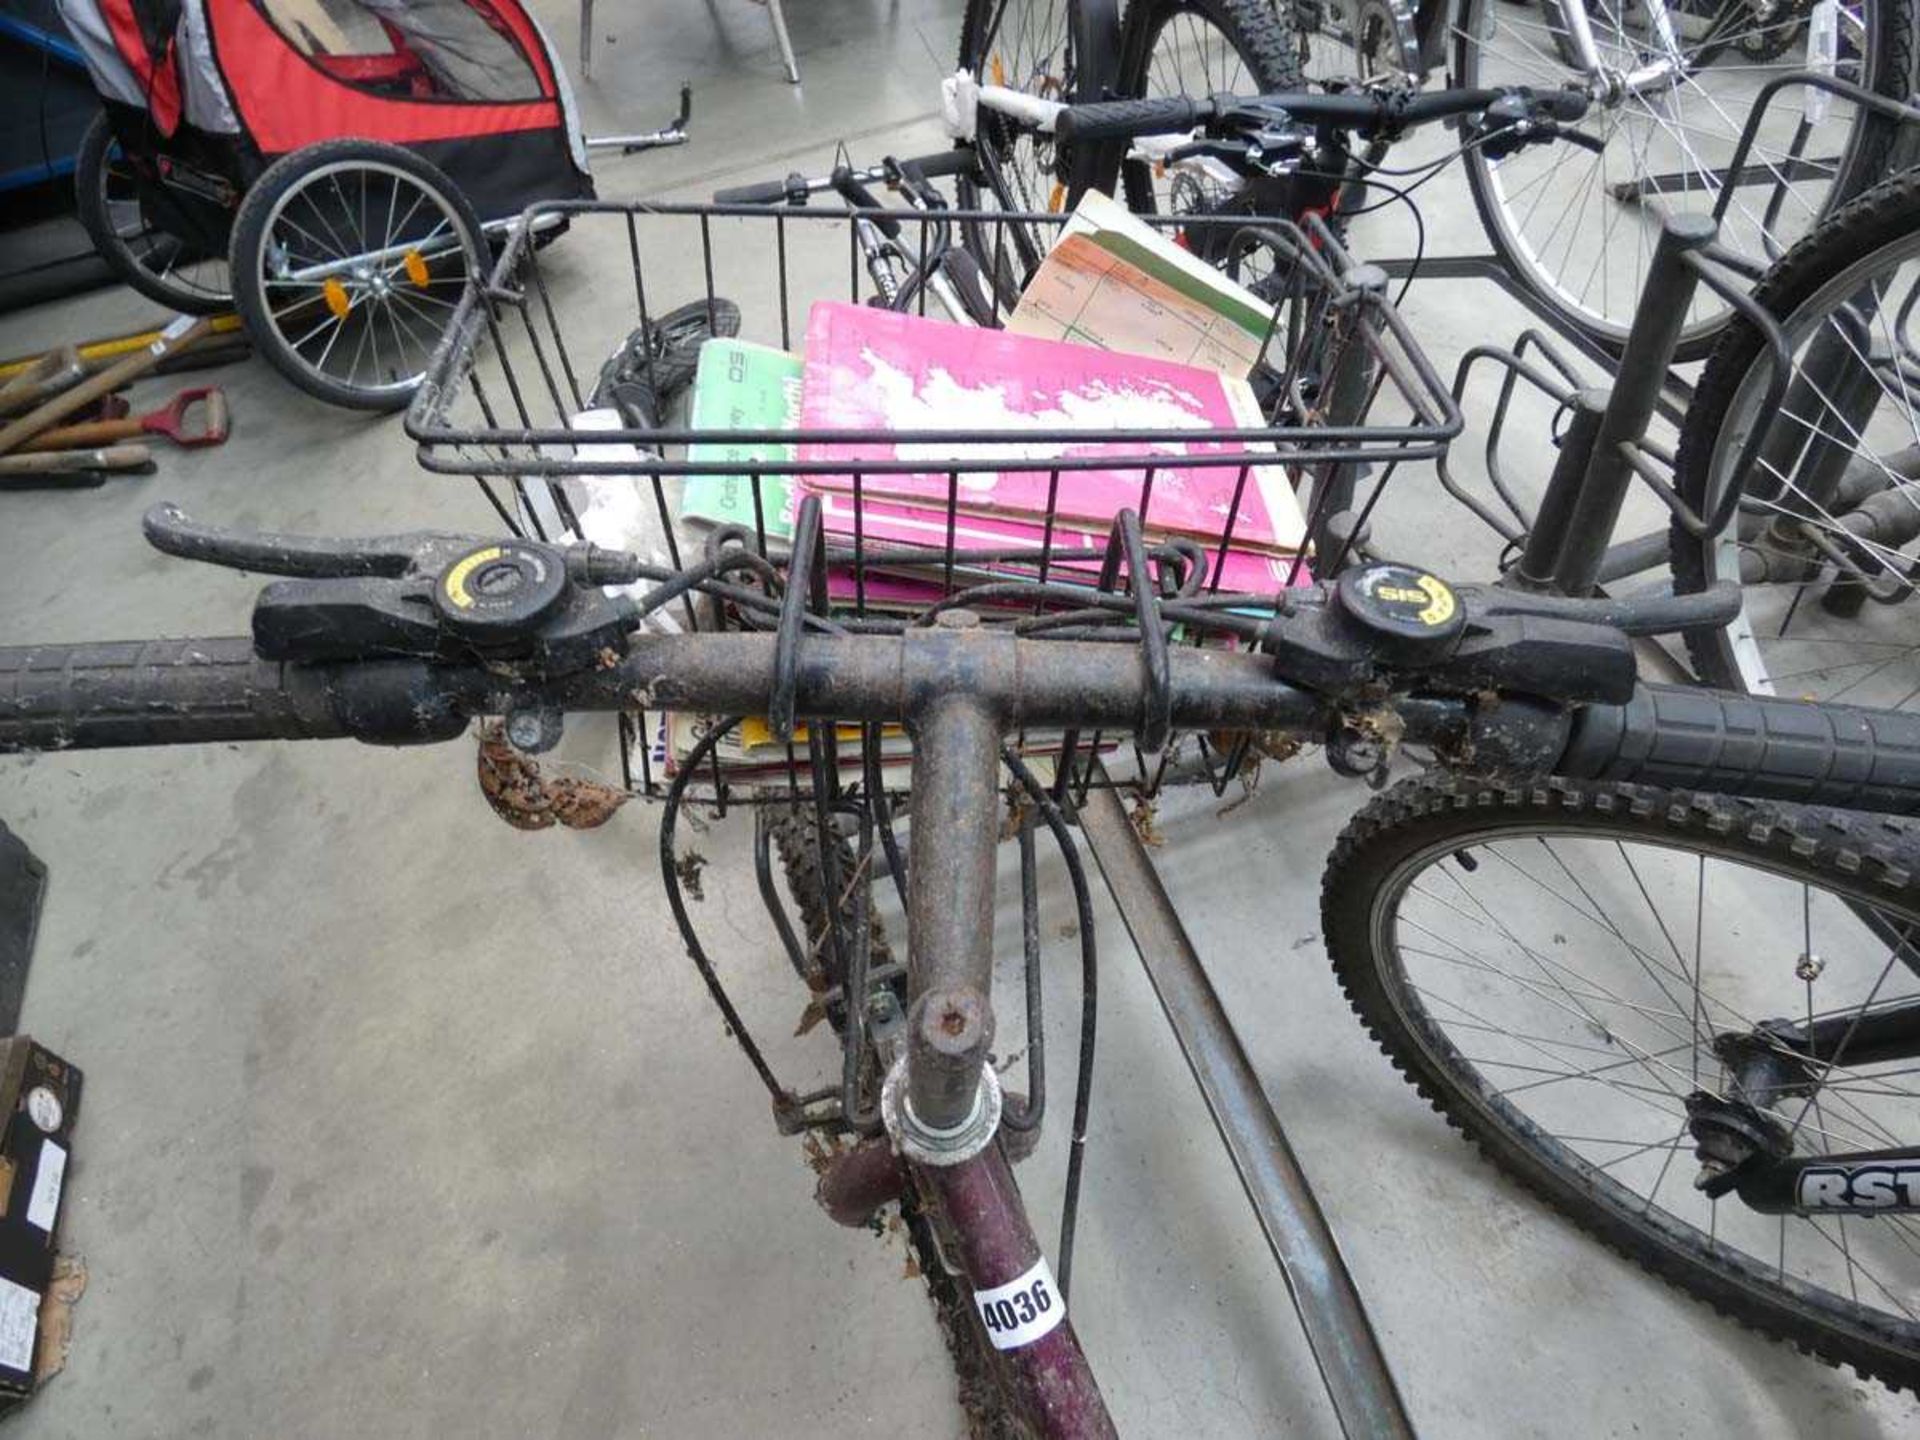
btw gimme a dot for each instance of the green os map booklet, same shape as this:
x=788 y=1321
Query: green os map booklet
x=741 y=386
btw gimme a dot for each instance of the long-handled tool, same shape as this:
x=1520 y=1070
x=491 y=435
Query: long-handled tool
x=64 y=469
x=44 y=378
x=207 y=404
x=181 y=333
x=97 y=355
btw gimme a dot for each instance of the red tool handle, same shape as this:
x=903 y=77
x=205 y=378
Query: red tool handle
x=170 y=420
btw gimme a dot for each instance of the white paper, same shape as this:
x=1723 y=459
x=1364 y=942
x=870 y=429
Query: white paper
x=44 y=1203
x=1021 y=1311
x=19 y=1319
x=620 y=511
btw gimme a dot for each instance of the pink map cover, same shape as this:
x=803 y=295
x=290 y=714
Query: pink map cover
x=877 y=369
x=895 y=522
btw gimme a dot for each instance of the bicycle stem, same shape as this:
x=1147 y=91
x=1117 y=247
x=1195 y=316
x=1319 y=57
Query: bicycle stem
x=945 y=1101
x=950 y=904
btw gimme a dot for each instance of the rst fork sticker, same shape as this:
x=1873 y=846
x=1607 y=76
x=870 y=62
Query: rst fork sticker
x=1867 y=1187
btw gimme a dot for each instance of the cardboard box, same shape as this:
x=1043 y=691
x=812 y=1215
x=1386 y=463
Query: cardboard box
x=40 y=1100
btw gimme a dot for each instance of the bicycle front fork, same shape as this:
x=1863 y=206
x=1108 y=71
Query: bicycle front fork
x=1657 y=73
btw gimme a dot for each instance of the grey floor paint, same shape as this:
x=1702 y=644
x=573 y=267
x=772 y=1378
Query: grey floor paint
x=402 y=1123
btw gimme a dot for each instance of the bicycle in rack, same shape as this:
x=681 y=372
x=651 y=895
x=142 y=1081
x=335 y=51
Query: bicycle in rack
x=1712 y=1075
x=1572 y=230
x=1562 y=547
x=1810 y=394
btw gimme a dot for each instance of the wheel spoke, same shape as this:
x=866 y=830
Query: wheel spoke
x=1543 y=203
x=1578 y=982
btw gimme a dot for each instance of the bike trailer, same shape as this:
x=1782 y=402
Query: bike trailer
x=226 y=87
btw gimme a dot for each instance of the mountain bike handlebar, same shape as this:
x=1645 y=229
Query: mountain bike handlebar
x=850 y=183
x=166 y=692
x=1362 y=112
x=403 y=639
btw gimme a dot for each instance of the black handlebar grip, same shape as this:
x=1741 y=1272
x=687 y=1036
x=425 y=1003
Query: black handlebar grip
x=1752 y=746
x=190 y=692
x=946 y=162
x=1124 y=119
x=767 y=192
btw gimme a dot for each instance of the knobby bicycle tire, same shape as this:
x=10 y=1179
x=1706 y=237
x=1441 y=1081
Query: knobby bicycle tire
x=1863 y=858
x=1260 y=34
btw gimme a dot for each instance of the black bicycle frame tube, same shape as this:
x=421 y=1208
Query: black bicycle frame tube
x=1346 y=396
x=1658 y=320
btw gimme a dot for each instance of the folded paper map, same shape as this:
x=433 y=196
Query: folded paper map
x=1113 y=281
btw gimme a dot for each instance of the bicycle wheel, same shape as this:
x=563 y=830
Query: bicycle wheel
x=160 y=266
x=1833 y=506
x=1037 y=46
x=348 y=259
x=1203 y=47
x=1353 y=39
x=1577 y=227
x=1563 y=971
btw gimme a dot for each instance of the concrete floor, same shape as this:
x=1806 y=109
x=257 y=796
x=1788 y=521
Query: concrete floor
x=400 y=1122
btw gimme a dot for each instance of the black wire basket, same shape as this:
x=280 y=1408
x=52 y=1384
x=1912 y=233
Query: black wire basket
x=1340 y=390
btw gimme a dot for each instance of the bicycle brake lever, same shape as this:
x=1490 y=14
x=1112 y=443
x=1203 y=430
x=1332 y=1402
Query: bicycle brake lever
x=426 y=593
x=170 y=530
x=1523 y=117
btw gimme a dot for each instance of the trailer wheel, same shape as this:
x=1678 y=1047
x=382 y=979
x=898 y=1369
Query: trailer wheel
x=120 y=215
x=349 y=258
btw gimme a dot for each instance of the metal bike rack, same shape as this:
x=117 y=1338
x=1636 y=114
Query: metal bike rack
x=1644 y=372
x=1605 y=442
x=1352 y=1365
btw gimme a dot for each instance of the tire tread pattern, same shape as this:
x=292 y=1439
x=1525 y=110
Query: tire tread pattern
x=1864 y=856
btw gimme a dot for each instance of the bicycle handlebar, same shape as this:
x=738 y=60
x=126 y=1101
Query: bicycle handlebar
x=164 y=692
x=1127 y=119
x=796 y=188
x=765 y=192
